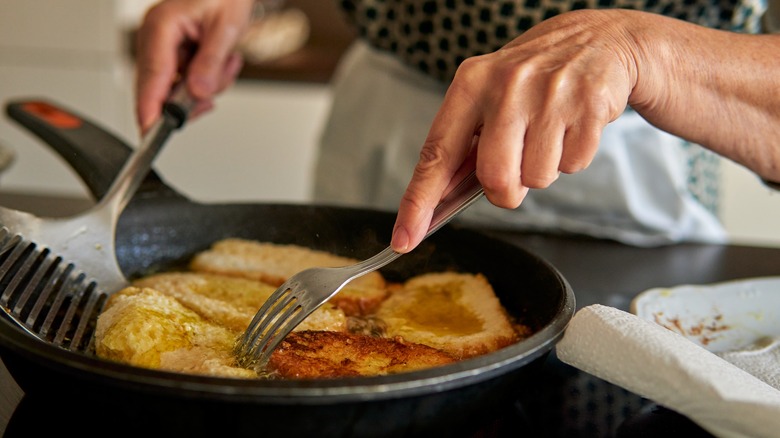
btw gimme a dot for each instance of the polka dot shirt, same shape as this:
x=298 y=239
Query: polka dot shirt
x=435 y=36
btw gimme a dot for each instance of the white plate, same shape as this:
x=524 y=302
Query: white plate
x=719 y=317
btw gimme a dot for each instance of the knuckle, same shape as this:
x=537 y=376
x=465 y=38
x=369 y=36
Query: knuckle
x=573 y=165
x=496 y=182
x=432 y=155
x=539 y=179
x=156 y=16
x=505 y=199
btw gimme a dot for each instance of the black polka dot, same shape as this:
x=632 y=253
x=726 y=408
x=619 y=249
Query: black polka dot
x=549 y=13
x=524 y=23
x=463 y=41
x=507 y=9
x=484 y=15
x=438 y=34
x=423 y=46
x=501 y=31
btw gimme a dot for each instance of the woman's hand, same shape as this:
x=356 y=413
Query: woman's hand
x=537 y=106
x=522 y=115
x=194 y=37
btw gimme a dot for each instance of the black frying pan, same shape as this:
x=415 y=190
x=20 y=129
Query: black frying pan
x=161 y=229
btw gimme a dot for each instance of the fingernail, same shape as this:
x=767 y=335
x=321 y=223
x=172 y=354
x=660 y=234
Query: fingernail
x=400 y=241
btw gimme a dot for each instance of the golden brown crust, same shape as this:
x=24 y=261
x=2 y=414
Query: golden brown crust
x=274 y=263
x=319 y=355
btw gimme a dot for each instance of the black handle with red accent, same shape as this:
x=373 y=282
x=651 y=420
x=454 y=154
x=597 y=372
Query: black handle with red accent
x=93 y=152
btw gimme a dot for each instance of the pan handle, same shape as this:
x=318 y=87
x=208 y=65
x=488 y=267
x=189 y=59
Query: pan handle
x=92 y=151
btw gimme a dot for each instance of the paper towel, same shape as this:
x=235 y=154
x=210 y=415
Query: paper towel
x=667 y=368
x=761 y=359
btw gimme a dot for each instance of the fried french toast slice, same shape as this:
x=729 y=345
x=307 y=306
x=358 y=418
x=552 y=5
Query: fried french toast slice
x=146 y=328
x=230 y=301
x=274 y=263
x=458 y=313
x=321 y=355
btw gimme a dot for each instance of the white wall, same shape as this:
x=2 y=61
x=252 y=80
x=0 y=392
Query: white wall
x=258 y=144
x=69 y=51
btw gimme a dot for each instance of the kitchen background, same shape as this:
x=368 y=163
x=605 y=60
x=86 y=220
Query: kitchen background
x=257 y=145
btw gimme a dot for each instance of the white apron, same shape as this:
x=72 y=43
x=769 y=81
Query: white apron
x=637 y=190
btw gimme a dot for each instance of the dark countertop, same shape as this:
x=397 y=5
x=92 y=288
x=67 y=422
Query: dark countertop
x=599 y=272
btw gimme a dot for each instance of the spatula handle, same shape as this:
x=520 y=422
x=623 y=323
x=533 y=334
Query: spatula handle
x=93 y=152
x=174 y=114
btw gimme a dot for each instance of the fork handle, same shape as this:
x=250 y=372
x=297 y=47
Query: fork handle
x=467 y=192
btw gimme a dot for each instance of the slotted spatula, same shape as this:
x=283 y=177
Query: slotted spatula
x=56 y=273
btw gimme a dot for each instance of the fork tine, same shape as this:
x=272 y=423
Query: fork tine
x=265 y=334
x=277 y=302
x=261 y=356
x=268 y=313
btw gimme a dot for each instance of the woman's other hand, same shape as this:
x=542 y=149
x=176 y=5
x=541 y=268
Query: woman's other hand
x=191 y=37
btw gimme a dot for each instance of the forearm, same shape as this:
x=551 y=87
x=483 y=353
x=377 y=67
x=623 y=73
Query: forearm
x=718 y=89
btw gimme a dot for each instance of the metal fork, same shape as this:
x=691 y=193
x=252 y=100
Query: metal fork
x=309 y=289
